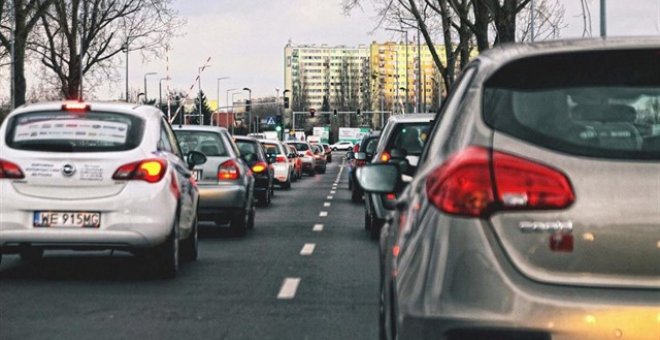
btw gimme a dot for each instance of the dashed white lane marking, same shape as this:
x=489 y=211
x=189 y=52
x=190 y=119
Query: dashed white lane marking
x=333 y=192
x=318 y=227
x=307 y=249
x=289 y=287
x=329 y=197
x=326 y=204
x=323 y=214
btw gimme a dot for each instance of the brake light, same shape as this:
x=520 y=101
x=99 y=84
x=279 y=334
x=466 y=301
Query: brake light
x=75 y=106
x=465 y=184
x=259 y=167
x=148 y=170
x=10 y=170
x=280 y=159
x=390 y=197
x=174 y=187
x=385 y=157
x=228 y=171
x=309 y=153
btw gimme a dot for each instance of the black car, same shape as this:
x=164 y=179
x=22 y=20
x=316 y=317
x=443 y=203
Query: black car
x=365 y=153
x=253 y=154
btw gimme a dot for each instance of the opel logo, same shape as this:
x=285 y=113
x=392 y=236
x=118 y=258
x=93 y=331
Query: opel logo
x=68 y=170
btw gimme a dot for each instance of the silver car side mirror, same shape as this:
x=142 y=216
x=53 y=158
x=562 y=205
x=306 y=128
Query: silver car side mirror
x=378 y=177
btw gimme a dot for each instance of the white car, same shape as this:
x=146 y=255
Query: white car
x=86 y=176
x=343 y=145
x=282 y=166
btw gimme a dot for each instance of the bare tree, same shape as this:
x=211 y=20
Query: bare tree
x=548 y=21
x=81 y=37
x=586 y=18
x=25 y=15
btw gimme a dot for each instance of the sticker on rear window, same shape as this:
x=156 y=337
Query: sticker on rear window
x=68 y=129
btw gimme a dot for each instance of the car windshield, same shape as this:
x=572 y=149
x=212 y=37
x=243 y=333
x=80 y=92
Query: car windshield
x=62 y=131
x=301 y=146
x=208 y=143
x=246 y=147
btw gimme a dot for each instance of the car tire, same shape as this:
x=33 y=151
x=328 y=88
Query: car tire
x=376 y=225
x=367 y=220
x=165 y=259
x=250 y=221
x=322 y=171
x=334 y=149
x=239 y=223
x=350 y=183
x=287 y=184
x=190 y=246
x=30 y=254
x=264 y=200
x=356 y=195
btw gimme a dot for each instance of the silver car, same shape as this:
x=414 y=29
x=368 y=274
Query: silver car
x=535 y=211
x=226 y=184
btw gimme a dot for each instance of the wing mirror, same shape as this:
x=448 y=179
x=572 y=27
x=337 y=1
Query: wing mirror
x=195 y=158
x=378 y=178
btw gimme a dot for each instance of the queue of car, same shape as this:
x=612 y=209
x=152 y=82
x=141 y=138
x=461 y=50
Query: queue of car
x=97 y=176
x=532 y=210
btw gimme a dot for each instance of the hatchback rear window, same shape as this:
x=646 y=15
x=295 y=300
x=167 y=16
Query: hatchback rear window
x=271 y=148
x=602 y=104
x=246 y=147
x=300 y=146
x=60 y=131
x=208 y=143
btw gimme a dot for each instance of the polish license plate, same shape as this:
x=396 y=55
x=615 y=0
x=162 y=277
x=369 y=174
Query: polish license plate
x=67 y=219
x=197 y=174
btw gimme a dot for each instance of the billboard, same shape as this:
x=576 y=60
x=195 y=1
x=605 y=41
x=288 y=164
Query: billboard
x=352 y=134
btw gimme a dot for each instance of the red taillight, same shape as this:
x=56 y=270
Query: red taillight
x=309 y=153
x=174 y=187
x=259 y=167
x=390 y=197
x=356 y=147
x=10 y=170
x=385 y=157
x=463 y=185
x=148 y=170
x=228 y=171
x=280 y=159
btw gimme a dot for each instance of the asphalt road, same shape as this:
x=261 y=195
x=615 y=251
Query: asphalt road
x=231 y=292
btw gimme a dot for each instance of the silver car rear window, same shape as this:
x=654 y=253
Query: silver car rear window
x=206 y=142
x=61 y=131
x=603 y=104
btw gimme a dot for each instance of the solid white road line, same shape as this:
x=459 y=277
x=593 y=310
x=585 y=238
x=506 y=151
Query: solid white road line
x=318 y=227
x=326 y=204
x=289 y=287
x=307 y=249
x=323 y=214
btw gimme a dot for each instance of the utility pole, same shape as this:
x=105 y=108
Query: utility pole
x=218 y=99
x=12 y=64
x=603 y=19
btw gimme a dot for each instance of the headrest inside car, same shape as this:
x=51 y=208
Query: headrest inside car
x=604 y=113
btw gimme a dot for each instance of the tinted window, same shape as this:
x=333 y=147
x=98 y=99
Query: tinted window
x=271 y=148
x=246 y=147
x=74 y=132
x=371 y=145
x=607 y=107
x=410 y=137
x=206 y=142
x=301 y=146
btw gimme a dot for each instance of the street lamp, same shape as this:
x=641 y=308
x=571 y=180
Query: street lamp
x=397 y=71
x=248 y=108
x=233 y=115
x=160 y=91
x=145 y=84
x=199 y=87
x=283 y=98
x=124 y=47
x=218 y=97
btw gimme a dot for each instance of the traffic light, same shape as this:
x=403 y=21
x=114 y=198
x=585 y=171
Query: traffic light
x=247 y=105
x=286 y=102
x=334 y=113
x=358 y=112
x=312 y=112
x=278 y=128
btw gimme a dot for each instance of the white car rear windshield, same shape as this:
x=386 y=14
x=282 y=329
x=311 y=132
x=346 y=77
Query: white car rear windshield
x=603 y=104
x=74 y=132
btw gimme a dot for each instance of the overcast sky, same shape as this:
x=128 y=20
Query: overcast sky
x=245 y=39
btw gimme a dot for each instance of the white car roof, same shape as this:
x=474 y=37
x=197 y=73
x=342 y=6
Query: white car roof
x=145 y=111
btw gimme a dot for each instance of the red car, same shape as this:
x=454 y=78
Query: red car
x=297 y=162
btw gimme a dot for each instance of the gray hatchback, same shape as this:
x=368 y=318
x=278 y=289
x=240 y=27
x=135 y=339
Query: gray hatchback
x=535 y=211
x=226 y=184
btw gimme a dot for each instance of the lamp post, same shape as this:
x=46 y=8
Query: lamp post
x=145 y=84
x=249 y=112
x=160 y=91
x=199 y=87
x=233 y=115
x=125 y=49
x=218 y=97
x=292 y=116
x=397 y=71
